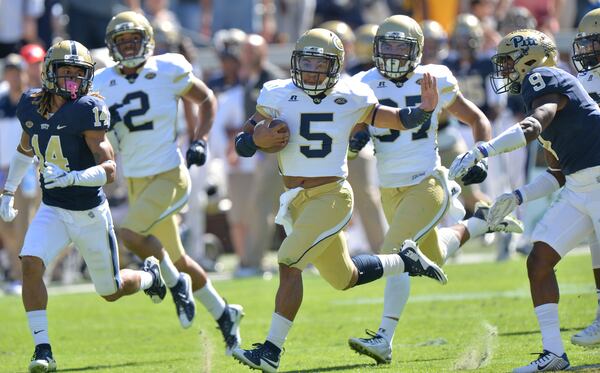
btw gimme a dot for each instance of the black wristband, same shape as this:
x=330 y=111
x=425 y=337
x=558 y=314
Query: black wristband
x=413 y=117
x=244 y=144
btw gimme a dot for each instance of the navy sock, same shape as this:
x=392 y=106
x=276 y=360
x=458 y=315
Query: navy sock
x=369 y=268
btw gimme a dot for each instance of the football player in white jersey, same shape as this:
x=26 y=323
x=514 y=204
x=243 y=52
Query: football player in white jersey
x=586 y=58
x=142 y=92
x=320 y=110
x=415 y=192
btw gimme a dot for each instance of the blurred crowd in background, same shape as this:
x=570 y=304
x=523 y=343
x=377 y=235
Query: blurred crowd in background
x=238 y=45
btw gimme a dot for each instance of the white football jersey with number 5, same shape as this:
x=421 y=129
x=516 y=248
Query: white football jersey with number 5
x=407 y=157
x=144 y=112
x=319 y=132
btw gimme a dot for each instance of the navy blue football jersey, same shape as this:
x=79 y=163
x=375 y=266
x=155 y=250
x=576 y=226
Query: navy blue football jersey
x=59 y=140
x=574 y=134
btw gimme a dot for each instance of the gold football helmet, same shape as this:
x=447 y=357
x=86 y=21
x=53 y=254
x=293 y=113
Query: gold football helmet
x=467 y=36
x=317 y=61
x=398 y=47
x=363 y=47
x=436 y=42
x=341 y=29
x=130 y=22
x=70 y=53
x=518 y=53
x=586 y=46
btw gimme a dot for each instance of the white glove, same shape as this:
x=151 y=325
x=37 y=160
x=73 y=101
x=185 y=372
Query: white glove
x=464 y=162
x=7 y=212
x=56 y=177
x=503 y=205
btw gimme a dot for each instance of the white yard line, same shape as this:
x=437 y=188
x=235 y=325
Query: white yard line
x=479 y=353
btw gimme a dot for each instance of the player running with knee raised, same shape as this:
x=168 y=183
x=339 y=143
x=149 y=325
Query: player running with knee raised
x=415 y=192
x=143 y=93
x=321 y=109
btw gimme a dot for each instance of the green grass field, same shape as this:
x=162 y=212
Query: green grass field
x=483 y=319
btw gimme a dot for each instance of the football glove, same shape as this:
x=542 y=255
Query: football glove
x=463 y=163
x=503 y=205
x=477 y=173
x=196 y=154
x=56 y=177
x=7 y=211
x=358 y=141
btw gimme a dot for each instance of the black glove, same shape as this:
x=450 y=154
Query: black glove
x=196 y=154
x=358 y=141
x=476 y=174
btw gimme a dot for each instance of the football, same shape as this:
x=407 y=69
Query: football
x=285 y=129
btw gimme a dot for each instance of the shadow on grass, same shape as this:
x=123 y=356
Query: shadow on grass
x=332 y=369
x=109 y=366
x=594 y=367
x=537 y=331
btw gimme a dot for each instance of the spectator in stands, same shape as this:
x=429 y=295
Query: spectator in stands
x=18 y=24
x=33 y=55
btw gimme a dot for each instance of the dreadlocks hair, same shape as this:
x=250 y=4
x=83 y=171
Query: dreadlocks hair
x=44 y=100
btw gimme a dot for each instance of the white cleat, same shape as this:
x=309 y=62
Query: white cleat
x=589 y=336
x=375 y=347
x=546 y=362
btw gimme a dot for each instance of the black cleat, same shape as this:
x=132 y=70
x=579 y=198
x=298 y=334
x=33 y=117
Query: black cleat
x=158 y=290
x=42 y=360
x=184 y=300
x=264 y=356
x=417 y=264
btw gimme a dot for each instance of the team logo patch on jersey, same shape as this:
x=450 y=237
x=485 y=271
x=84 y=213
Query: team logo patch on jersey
x=29 y=124
x=340 y=101
x=44 y=126
x=293 y=98
x=150 y=75
x=381 y=84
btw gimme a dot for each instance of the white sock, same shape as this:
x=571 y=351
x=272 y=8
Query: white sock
x=547 y=315
x=209 y=297
x=475 y=226
x=168 y=271
x=392 y=264
x=146 y=280
x=598 y=309
x=397 y=290
x=448 y=241
x=280 y=327
x=38 y=326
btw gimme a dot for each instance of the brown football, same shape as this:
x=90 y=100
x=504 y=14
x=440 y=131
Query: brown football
x=284 y=129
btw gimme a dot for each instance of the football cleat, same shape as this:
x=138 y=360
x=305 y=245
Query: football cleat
x=264 y=356
x=184 y=301
x=375 y=346
x=589 y=336
x=417 y=264
x=229 y=324
x=158 y=290
x=509 y=224
x=42 y=360
x=547 y=361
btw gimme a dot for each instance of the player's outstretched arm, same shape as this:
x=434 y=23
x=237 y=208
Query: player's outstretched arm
x=467 y=112
x=103 y=152
x=544 y=109
x=200 y=94
x=543 y=185
x=410 y=117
